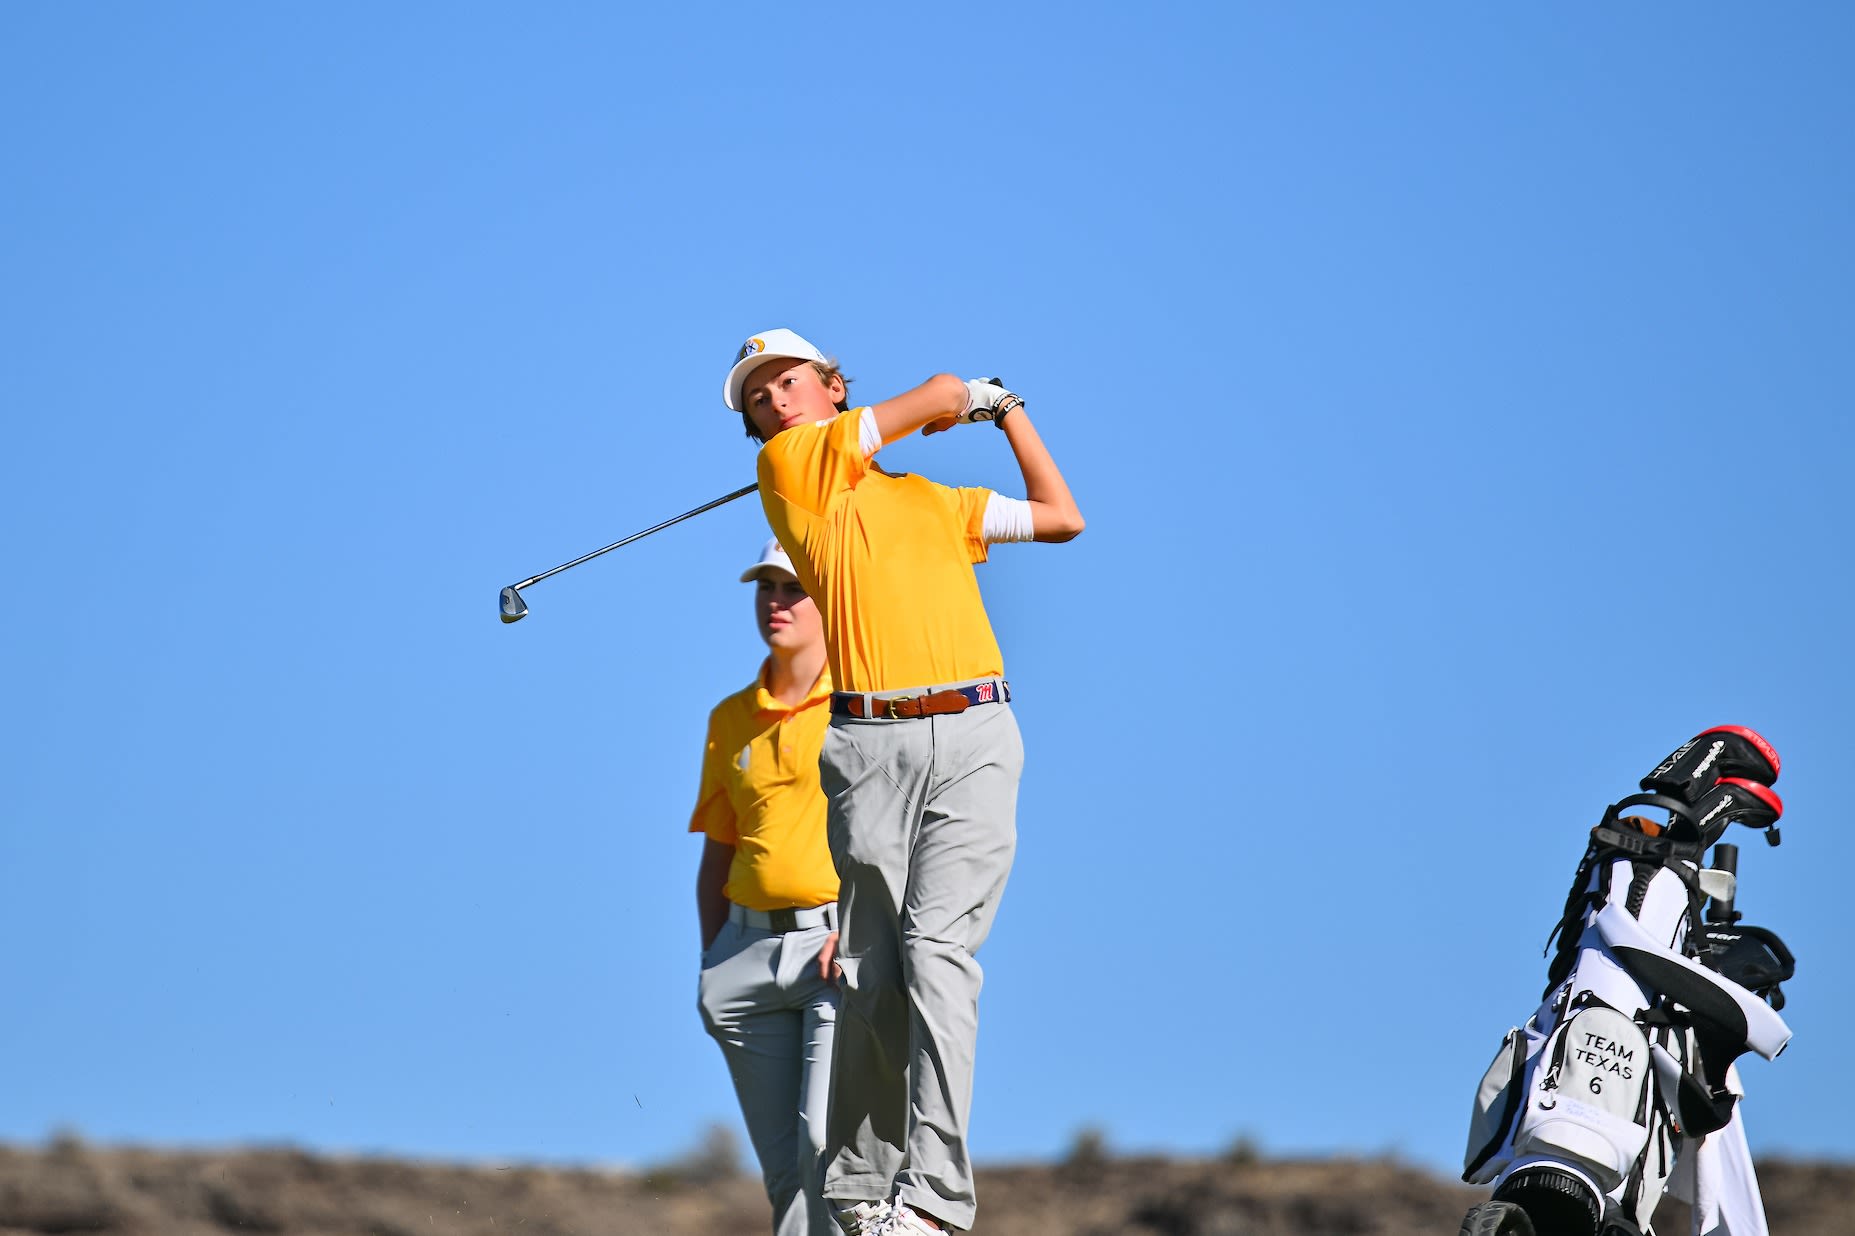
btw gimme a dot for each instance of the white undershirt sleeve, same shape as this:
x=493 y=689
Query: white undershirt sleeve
x=868 y=434
x=1008 y=519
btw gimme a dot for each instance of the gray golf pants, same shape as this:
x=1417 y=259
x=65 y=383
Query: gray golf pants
x=773 y=1017
x=922 y=826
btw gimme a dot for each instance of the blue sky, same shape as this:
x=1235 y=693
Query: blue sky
x=1458 y=395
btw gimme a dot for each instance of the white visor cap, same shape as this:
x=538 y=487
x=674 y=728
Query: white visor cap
x=772 y=558
x=776 y=344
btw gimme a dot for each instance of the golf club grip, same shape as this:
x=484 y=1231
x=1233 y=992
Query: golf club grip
x=1725 y=858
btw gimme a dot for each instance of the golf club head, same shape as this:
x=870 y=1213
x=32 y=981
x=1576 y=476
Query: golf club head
x=514 y=609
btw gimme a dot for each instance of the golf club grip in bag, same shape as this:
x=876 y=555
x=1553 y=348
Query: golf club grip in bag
x=1623 y=1083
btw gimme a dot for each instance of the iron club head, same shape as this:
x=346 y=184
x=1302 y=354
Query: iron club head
x=514 y=609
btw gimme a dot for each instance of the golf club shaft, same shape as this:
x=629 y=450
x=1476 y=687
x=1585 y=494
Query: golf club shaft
x=638 y=536
x=1725 y=858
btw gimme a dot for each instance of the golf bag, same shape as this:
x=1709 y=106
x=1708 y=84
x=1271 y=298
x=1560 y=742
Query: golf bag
x=1623 y=1085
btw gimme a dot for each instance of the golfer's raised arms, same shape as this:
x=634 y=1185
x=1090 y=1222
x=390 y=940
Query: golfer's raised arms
x=944 y=401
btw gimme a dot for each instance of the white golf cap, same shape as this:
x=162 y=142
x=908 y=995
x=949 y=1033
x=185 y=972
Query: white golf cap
x=772 y=558
x=776 y=344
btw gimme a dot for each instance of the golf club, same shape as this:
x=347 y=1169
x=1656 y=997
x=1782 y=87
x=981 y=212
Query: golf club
x=514 y=609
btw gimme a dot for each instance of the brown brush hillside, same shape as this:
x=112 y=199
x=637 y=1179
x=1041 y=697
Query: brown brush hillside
x=70 y=1187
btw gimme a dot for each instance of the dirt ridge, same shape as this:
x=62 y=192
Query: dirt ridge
x=72 y=1187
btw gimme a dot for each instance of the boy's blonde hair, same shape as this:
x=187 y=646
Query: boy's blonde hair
x=825 y=373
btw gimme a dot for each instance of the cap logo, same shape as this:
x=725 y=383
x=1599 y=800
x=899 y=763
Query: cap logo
x=752 y=347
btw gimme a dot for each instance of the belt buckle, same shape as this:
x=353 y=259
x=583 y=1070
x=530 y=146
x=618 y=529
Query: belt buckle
x=889 y=706
x=783 y=920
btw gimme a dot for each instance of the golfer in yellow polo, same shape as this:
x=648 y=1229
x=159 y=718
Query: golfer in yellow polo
x=922 y=758
x=766 y=893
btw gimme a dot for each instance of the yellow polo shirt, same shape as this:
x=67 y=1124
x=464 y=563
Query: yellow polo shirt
x=888 y=560
x=760 y=795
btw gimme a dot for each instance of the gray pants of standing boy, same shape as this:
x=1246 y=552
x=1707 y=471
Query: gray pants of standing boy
x=764 y=1003
x=922 y=827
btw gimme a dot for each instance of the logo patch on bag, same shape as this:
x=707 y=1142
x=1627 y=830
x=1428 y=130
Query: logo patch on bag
x=1587 y=1098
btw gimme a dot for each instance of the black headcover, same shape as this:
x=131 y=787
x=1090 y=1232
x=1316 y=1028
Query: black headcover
x=1724 y=775
x=1723 y=751
x=1752 y=957
x=1736 y=800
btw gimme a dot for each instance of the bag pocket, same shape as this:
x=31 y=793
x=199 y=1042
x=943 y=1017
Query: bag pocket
x=1497 y=1100
x=1589 y=1095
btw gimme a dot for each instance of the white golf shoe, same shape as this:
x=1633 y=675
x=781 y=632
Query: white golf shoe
x=864 y=1218
x=903 y=1221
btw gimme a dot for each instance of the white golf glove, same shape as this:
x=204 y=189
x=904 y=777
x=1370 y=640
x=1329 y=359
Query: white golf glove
x=988 y=400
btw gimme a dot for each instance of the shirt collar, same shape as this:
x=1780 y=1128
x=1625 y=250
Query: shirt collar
x=765 y=701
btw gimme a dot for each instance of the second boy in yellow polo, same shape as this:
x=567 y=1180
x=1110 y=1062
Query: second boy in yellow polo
x=766 y=893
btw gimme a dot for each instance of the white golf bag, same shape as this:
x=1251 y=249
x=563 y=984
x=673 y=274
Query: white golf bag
x=1622 y=1085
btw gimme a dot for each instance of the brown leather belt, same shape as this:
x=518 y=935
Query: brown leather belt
x=906 y=707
